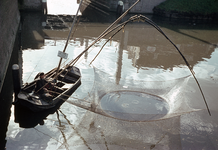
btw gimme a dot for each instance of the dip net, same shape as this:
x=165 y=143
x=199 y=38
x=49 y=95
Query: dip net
x=127 y=113
x=134 y=100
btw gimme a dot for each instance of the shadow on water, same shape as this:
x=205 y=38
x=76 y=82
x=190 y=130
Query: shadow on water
x=29 y=119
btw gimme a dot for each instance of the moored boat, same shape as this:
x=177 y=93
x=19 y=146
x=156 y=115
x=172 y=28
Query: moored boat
x=67 y=81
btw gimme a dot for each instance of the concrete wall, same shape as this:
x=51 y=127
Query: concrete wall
x=144 y=6
x=9 y=22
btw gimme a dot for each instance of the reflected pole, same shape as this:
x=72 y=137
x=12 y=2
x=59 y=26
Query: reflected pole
x=120 y=58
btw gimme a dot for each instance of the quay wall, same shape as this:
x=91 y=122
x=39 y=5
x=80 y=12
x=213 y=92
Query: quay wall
x=143 y=6
x=9 y=22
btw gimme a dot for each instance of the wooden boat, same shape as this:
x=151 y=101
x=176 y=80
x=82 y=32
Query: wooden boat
x=67 y=81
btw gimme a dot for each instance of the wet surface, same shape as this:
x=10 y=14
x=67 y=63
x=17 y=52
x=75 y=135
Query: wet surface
x=134 y=106
x=138 y=72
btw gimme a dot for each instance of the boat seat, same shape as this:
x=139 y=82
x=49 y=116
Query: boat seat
x=67 y=79
x=56 y=91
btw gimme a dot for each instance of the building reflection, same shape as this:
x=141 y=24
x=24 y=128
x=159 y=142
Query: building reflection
x=32 y=31
x=152 y=50
x=146 y=47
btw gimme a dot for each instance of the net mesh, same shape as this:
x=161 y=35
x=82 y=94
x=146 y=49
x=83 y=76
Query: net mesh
x=135 y=100
x=129 y=114
x=97 y=132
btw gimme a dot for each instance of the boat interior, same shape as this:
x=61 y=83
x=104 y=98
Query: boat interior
x=56 y=85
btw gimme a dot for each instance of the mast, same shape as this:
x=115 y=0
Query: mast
x=67 y=40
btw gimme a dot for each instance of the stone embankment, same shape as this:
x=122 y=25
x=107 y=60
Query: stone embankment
x=9 y=22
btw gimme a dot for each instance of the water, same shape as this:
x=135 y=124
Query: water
x=134 y=106
x=138 y=60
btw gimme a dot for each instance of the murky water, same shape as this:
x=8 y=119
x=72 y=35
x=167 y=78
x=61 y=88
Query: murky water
x=138 y=73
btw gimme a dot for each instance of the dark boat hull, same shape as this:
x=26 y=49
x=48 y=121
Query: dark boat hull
x=58 y=101
x=36 y=104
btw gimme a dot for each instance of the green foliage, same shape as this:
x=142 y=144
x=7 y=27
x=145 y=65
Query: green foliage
x=191 y=6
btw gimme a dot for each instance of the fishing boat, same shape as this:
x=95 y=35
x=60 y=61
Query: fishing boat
x=67 y=81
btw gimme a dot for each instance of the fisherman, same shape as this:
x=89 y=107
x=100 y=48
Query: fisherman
x=41 y=89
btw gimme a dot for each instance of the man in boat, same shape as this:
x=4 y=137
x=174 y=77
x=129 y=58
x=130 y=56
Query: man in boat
x=41 y=88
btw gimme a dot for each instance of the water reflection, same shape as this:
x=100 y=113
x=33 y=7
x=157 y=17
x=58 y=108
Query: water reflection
x=134 y=106
x=149 y=50
x=32 y=35
x=28 y=119
x=129 y=58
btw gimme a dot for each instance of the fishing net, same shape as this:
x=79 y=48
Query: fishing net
x=98 y=132
x=127 y=113
x=135 y=100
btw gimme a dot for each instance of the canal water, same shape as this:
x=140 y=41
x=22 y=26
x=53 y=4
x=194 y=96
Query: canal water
x=137 y=94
